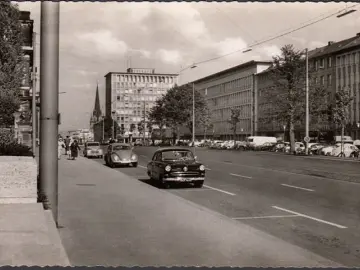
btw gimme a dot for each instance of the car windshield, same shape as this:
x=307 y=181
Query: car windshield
x=121 y=147
x=93 y=144
x=177 y=155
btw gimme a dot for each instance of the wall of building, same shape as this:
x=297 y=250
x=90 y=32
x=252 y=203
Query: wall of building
x=348 y=77
x=233 y=89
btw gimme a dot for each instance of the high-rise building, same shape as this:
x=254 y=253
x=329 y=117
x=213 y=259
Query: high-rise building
x=235 y=87
x=131 y=94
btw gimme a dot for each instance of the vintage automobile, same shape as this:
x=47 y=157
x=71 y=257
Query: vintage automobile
x=176 y=165
x=92 y=149
x=120 y=154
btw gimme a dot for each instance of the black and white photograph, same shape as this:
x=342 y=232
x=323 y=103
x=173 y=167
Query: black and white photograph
x=188 y=134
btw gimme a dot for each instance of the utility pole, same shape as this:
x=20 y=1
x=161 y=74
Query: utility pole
x=144 y=128
x=103 y=127
x=34 y=108
x=307 y=103
x=193 y=115
x=49 y=106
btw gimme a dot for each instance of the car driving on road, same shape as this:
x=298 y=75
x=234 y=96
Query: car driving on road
x=120 y=154
x=176 y=165
x=93 y=149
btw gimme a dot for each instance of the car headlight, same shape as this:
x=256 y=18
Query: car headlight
x=202 y=168
x=168 y=168
x=133 y=157
x=115 y=157
x=100 y=151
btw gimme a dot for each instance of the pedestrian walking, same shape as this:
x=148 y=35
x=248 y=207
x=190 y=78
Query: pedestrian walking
x=74 y=149
x=61 y=146
x=67 y=145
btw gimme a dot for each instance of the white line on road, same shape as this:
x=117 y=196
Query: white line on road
x=238 y=175
x=143 y=156
x=220 y=190
x=208 y=169
x=307 y=189
x=142 y=167
x=309 y=217
x=267 y=217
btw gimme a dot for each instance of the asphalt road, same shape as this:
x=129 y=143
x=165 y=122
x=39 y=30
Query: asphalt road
x=308 y=202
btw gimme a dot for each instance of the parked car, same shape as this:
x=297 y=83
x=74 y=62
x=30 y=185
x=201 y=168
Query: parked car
x=348 y=151
x=176 y=165
x=314 y=148
x=120 y=154
x=268 y=146
x=92 y=149
x=327 y=150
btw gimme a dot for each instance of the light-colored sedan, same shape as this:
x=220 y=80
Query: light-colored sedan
x=348 y=151
x=120 y=154
x=92 y=149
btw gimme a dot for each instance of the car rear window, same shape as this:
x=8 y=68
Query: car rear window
x=93 y=144
x=121 y=147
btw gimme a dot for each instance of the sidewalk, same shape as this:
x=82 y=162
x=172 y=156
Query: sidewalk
x=28 y=236
x=111 y=219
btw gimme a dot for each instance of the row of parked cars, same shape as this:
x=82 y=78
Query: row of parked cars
x=351 y=149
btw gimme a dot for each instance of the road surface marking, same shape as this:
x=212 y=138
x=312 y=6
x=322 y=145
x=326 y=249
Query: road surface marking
x=143 y=156
x=238 y=175
x=208 y=169
x=307 y=189
x=220 y=190
x=142 y=167
x=309 y=217
x=266 y=217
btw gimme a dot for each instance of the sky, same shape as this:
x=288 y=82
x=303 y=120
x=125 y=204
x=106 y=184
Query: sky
x=97 y=38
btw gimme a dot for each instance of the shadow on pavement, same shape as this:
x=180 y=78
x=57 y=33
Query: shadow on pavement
x=171 y=187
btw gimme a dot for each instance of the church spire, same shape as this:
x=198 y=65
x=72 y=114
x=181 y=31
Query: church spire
x=97 y=109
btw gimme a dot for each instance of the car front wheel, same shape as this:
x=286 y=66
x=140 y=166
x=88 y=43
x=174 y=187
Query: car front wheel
x=135 y=164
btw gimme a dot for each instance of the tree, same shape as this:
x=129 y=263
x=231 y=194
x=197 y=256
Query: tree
x=156 y=116
x=11 y=61
x=141 y=127
x=288 y=91
x=234 y=120
x=178 y=107
x=340 y=111
x=205 y=121
x=319 y=110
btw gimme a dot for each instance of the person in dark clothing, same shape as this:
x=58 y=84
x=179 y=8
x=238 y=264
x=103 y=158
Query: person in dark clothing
x=74 y=149
x=67 y=145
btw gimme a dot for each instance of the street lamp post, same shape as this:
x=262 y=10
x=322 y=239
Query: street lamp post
x=193 y=115
x=113 y=124
x=307 y=102
x=357 y=131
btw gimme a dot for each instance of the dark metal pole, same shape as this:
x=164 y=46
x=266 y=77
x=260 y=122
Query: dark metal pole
x=144 y=129
x=49 y=83
x=34 y=109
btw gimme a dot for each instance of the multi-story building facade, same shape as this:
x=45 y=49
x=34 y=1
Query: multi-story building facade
x=130 y=95
x=334 y=66
x=23 y=119
x=235 y=87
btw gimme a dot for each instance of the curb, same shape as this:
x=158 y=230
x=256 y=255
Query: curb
x=55 y=239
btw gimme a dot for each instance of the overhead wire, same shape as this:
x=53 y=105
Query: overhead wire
x=274 y=37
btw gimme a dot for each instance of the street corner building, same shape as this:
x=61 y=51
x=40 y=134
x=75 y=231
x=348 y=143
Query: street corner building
x=23 y=118
x=128 y=97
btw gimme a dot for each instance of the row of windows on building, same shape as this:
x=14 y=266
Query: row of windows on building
x=129 y=119
x=121 y=85
x=241 y=97
x=324 y=80
x=240 y=84
x=348 y=59
x=140 y=91
x=225 y=128
x=224 y=114
x=144 y=78
x=342 y=60
x=137 y=98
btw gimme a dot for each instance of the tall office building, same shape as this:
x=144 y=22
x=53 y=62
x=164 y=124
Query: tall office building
x=130 y=95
